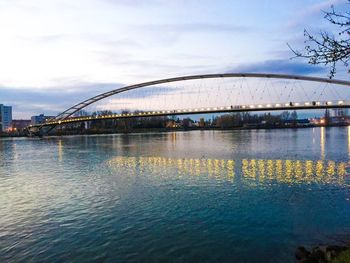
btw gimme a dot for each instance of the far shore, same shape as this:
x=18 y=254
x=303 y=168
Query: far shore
x=181 y=129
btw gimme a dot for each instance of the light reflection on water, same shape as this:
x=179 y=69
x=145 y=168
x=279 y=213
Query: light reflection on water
x=322 y=142
x=283 y=171
x=349 y=141
x=214 y=196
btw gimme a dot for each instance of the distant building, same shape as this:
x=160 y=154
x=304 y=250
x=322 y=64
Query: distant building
x=39 y=119
x=298 y=123
x=187 y=123
x=81 y=113
x=170 y=124
x=339 y=117
x=20 y=124
x=5 y=118
x=340 y=112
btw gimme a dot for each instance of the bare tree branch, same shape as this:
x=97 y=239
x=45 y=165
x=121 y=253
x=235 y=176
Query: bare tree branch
x=326 y=48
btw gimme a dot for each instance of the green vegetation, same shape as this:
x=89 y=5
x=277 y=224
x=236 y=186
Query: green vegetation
x=344 y=257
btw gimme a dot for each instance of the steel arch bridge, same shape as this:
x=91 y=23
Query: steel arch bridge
x=66 y=117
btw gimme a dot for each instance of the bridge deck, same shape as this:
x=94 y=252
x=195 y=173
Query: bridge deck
x=227 y=109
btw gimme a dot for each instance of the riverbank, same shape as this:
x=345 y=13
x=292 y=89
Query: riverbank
x=181 y=129
x=323 y=254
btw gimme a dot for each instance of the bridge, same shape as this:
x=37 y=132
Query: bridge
x=210 y=93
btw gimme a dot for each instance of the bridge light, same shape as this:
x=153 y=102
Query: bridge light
x=215 y=108
x=251 y=106
x=278 y=105
x=318 y=103
x=268 y=105
x=168 y=111
x=340 y=102
x=243 y=106
x=260 y=106
x=208 y=108
x=59 y=122
x=297 y=104
x=307 y=103
x=228 y=107
x=195 y=109
x=329 y=102
x=221 y=108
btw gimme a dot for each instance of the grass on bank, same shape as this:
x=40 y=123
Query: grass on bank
x=344 y=257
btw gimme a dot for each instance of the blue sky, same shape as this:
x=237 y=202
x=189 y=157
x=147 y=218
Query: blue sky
x=58 y=52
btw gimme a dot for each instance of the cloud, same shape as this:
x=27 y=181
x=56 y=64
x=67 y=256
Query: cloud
x=46 y=39
x=51 y=101
x=280 y=66
x=27 y=101
x=134 y=3
x=193 y=28
x=309 y=13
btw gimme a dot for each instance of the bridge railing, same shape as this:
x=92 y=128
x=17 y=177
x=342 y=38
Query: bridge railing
x=232 y=108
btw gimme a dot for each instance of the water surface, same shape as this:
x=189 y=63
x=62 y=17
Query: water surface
x=209 y=196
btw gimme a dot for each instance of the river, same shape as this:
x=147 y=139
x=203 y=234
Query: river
x=197 y=196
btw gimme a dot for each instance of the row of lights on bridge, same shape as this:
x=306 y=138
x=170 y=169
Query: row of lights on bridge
x=290 y=104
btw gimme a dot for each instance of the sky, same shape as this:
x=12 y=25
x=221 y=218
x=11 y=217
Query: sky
x=54 y=53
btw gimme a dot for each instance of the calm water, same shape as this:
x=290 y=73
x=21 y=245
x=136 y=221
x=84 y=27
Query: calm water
x=205 y=196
